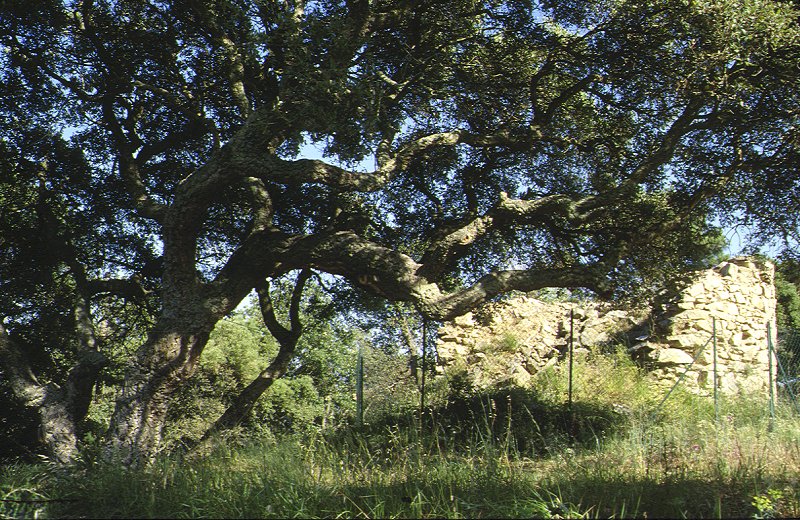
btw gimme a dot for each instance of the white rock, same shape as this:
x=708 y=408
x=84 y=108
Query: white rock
x=674 y=356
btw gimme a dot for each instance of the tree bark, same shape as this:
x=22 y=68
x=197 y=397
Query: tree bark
x=61 y=410
x=287 y=338
x=58 y=429
x=244 y=403
x=167 y=358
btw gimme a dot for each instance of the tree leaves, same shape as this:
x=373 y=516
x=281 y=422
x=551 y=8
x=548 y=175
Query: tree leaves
x=470 y=148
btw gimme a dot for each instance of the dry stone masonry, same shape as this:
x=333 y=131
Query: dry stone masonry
x=737 y=299
x=512 y=340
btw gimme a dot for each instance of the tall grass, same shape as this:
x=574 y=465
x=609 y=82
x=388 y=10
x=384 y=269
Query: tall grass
x=505 y=453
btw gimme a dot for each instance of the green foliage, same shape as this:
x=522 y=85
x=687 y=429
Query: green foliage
x=765 y=503
x=316 y=391
x=601 y=378
x=788 y=307
x=390 y=390
x=507 y=343
x=788 y=322
x=681 y=465
x=504 y=453
x=150 y=165
x=21 y=492
x=291 y=405
x=788 y=267
x=18 y=427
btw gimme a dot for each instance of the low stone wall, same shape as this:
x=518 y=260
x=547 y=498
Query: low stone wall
x=512 y=340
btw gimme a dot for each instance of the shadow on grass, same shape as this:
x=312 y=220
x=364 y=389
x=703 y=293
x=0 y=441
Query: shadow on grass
x=577 y=498
x=513 y=419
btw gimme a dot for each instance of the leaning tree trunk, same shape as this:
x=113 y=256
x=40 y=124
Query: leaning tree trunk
x=243 y=404
x=61 y=409
x=287 y=338
x=56 y=428
x=166 y=360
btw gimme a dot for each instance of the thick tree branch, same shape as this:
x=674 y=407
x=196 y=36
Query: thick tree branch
x=247 y=155
x=123 y=287
x=661 y=155
x=444 y=250
x=261 y=202
x=236 y=75
x=565 y=95
x=397 y=277
x=57 y=408
x=129 y=168
x=18 y=372
x=287 y=340
x=283 y=334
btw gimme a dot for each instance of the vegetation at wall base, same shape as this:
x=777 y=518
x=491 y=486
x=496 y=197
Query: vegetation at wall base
x=464 y=458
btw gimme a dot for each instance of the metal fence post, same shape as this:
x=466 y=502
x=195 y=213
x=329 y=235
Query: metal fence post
x=571 y=342
x=424 y=366
x=714 y=350
x=770 y=350
x=360 y=387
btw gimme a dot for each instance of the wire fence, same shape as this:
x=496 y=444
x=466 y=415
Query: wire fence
x=783 y=367
x=783 y=382
x=788 y=366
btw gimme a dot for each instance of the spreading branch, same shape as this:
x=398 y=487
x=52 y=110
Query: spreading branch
x=287 y=338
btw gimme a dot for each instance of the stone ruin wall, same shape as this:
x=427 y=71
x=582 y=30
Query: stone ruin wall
x=512 y=340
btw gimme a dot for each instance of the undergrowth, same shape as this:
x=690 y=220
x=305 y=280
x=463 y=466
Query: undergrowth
x=613 y=452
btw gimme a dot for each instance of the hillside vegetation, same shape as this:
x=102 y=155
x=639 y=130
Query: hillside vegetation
x=616 y=452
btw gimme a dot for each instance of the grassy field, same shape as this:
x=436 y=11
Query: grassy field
x=507 y=453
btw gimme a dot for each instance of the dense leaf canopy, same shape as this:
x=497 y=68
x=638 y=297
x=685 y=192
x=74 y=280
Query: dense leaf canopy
x=155 y=164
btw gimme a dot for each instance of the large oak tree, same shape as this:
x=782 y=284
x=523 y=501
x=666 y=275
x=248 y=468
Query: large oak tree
x=152 y=173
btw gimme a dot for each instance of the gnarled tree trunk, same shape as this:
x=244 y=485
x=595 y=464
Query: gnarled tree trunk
x=287 y=338
x=60 y=409
x=166 y=360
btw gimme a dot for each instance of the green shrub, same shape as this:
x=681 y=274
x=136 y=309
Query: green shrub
x=504 y=452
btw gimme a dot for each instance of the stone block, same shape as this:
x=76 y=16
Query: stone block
x=673 y=356
x=467 y=320
x=749 y=350
x=592 y=337
x=617 y=315
x=694 y=291
x=463 y=348
x=711 y=284
x=704 y=325
x=706 y=357
x=728 y=269
x=686 y=341
x=704 y=378
x=727 y=384
x=762 y=358
x=723 y=308
x=692 y=315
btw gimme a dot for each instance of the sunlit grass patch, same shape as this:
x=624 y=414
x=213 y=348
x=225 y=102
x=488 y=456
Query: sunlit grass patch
x=508 y=452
